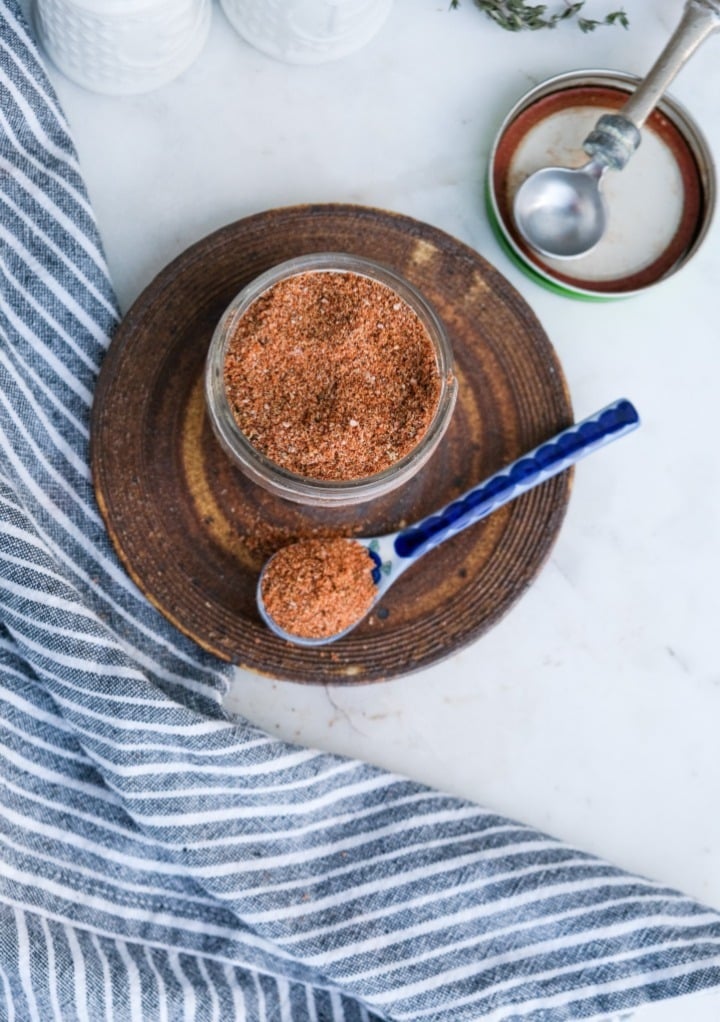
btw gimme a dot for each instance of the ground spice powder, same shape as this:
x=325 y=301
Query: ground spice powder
x=318 y=587
x=332 y=375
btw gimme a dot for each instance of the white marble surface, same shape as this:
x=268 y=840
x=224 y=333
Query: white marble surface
x=592 y=709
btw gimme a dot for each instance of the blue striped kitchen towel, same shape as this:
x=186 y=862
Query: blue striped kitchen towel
x=161 y=861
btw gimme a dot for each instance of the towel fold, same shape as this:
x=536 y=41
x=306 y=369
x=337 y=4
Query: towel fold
x=163 y=860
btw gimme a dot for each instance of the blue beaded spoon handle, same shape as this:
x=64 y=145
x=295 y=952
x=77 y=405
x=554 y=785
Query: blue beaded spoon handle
x=394 y=552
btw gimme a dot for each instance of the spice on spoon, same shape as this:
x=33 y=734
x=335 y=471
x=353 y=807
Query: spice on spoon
x=332 y=375
x=318 y=587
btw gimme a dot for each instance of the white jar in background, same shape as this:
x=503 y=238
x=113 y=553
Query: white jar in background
x=307 y=31
x=122 y=46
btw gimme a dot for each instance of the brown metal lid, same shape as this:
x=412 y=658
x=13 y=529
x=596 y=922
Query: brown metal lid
x=658 y=205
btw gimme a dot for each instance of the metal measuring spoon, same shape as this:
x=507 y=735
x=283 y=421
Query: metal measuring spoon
x=391 y=554
x=560 y=211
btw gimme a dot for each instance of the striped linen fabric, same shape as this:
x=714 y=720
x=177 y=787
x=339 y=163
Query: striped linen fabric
x=160 y=860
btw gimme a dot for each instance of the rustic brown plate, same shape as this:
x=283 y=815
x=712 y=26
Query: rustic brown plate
x=192 y=531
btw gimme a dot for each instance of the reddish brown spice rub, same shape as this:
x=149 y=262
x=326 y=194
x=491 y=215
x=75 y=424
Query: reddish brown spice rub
x=318 y=587
x=332 y=375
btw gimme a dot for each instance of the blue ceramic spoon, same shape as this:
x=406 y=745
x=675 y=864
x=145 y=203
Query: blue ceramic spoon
x=396 y=551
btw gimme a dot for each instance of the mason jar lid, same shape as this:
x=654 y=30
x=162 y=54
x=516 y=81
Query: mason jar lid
x=660 y=206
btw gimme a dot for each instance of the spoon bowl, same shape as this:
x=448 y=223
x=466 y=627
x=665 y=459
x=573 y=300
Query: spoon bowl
x=387 y=556
x=560 y=212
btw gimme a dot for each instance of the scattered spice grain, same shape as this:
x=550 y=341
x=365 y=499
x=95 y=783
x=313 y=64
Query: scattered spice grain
x=332 y=375
x=318 y=587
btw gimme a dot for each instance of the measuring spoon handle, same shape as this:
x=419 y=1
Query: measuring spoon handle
x=700 y=18
x=522 y=475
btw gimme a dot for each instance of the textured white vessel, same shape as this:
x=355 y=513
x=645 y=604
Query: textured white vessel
x=307 y=31
x=122 y=46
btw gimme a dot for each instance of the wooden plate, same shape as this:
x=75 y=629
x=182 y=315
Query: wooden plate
x=193 y=532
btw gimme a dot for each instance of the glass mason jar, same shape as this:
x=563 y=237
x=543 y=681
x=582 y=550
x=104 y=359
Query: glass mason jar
x=278 y=479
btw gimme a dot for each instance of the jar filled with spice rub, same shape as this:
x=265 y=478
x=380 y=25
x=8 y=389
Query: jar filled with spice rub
x=329 y=380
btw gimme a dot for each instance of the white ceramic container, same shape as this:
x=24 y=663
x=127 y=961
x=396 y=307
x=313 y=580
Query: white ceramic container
x=307 y=31
x=122 y=46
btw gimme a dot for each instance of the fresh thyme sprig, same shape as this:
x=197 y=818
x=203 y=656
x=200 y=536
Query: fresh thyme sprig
x=516 y=15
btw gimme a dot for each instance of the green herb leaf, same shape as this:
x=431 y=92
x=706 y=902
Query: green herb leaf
x=516 y=15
